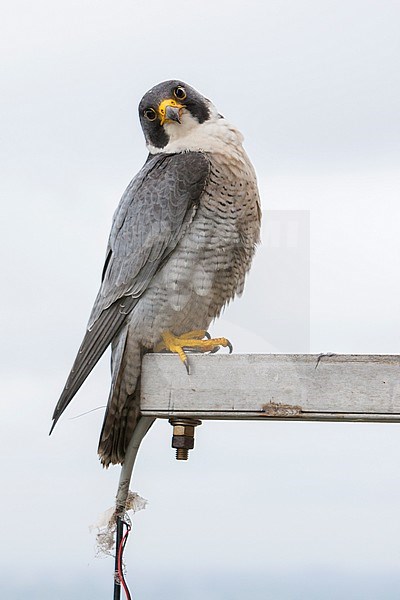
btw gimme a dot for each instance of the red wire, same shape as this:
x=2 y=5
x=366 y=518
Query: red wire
x=120 y=553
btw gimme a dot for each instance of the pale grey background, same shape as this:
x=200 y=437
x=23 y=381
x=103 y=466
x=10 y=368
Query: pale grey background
x=276 y=511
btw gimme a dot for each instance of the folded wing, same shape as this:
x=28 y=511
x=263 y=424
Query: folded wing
x=153 y=215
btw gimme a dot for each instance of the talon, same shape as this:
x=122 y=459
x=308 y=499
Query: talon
x=193 y=340
x=214 y=350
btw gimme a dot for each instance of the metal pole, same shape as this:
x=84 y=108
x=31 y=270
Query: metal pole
x=141 y=429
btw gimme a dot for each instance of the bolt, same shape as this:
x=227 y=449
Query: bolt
x=183 y=436
x=182 y=454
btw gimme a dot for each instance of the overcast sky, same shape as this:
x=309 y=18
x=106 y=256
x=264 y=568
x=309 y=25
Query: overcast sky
x=271 y=511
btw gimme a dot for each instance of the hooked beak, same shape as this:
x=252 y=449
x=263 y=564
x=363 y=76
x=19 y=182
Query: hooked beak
x=170 y=110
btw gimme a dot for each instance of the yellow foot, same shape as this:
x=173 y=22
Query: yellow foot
x=192 y=340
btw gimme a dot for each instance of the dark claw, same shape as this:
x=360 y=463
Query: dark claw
x=230 y=347
x=186 y=363
x=215 y=349
x=207 y=335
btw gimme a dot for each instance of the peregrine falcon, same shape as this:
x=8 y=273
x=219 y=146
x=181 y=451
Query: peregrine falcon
x=182 y=240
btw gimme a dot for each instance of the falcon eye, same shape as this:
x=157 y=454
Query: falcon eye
x=150 y=114
x=180 y=93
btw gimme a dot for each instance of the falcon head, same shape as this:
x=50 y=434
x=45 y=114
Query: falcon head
x=171 y=112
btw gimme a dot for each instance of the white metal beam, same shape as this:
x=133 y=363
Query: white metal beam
x=273 y=386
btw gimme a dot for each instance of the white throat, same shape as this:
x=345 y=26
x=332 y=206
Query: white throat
x=214 y=135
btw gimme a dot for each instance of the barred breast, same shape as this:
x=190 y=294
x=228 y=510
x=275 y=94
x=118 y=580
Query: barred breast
x=208 y=267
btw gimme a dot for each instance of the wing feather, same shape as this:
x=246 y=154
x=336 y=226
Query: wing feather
x=153 y=215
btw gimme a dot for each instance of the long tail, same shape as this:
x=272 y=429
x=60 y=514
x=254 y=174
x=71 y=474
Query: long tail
x=123 y=406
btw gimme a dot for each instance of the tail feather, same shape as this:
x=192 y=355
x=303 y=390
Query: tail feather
x=123 y=406
x=123 y=409
x=117 y=431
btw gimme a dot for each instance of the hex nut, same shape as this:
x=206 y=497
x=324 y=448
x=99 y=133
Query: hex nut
x=183 y=430
x=183 y=441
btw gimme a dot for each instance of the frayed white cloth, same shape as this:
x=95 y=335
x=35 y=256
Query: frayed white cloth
x=106 y=524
